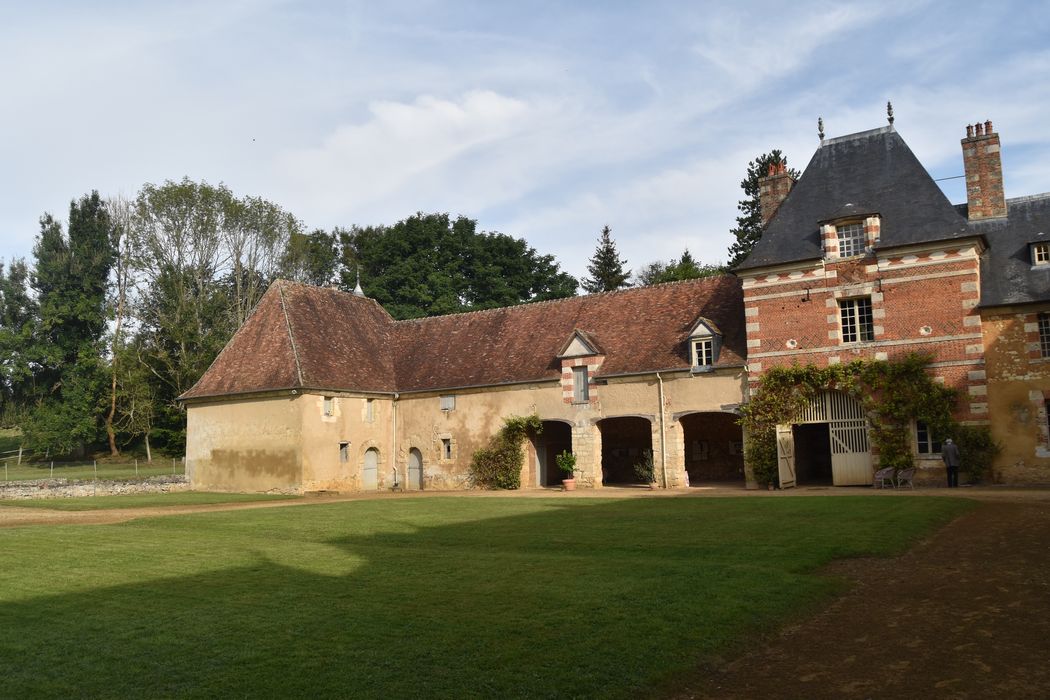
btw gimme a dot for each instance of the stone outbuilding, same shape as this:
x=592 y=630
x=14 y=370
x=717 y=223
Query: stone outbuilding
x=323 y=390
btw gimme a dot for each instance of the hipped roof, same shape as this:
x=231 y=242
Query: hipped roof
x=311 y=338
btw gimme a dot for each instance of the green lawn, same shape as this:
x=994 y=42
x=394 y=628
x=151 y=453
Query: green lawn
x=86 y=472
x=140 y=500
x=423 y=597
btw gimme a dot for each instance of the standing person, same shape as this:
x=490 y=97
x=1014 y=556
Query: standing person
x=950 y=455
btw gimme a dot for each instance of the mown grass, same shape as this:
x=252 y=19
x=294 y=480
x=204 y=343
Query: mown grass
x=104 y=471
x=423 y=597
x=141 y=500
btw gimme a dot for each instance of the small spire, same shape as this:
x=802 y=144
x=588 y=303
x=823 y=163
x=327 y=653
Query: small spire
x=889 y=112
x=357 y=288
x=820 y=128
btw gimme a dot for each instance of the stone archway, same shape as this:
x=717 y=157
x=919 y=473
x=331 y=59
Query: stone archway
x=713 y=445
x=625 y=441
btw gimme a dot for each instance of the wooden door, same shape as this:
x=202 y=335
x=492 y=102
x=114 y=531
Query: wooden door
x=415 y=470
x=370 y=477
x=786 y=456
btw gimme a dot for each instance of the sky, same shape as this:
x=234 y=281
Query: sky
x=541 y=120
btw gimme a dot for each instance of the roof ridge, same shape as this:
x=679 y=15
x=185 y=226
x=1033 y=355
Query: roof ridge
x=530 y=304
x=858 y=135
x=291 y=335
x=1028 y=198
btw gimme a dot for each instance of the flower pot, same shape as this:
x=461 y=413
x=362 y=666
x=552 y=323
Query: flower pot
x=569 y=484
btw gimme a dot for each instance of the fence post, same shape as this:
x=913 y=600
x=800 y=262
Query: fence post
x=52 y=470
x=173 y=466
x=5 y=471
x=94 y=466
x=136 y=466
x=20 y=454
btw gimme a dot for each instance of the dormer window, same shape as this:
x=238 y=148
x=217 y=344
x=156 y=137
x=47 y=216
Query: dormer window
x=705 y=342
x=851 y=239
x=1041 y=253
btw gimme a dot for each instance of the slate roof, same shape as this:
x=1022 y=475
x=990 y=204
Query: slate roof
x=871 y=172
x=312 y=338
x=1007 y=273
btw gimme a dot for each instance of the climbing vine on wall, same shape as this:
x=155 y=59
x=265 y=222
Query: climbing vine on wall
x=498 y=464
x=893 y=394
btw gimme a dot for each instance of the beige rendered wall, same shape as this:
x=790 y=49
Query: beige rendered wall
x=479 y=415
x=248 y=445
x=1018 y=386
x=323 y=467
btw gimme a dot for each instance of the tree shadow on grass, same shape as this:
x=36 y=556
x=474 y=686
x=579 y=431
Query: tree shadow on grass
x=566 y=599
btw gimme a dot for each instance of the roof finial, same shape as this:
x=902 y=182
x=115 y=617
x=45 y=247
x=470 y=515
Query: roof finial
x=889 y=112
x=357 y=288
x=820 y=128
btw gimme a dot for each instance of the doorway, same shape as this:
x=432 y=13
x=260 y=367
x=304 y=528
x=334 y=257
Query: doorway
x=625 y=442
x=415 y=470
x=555 y=439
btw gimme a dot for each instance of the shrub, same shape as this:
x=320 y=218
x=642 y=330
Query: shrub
x=761 y=454
x=567 y=463
x=644 y=468
x=498 y=465
x=977 y=449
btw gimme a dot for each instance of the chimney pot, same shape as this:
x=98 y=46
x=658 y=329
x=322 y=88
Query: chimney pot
x=988 y=127
x=979 y=129
x=969 y=131
x=984 y=173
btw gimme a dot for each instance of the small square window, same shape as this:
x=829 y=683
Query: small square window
x=1041 y=253
x=344 y=452
x=580 y=388
x=448 y=402
x=1044 y=335
x=851 y=239
x=329 y=406
x=856 y=318
x=446 y=448
x=925 y=441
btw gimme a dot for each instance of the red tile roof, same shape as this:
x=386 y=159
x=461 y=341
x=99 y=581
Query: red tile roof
x=313 y=338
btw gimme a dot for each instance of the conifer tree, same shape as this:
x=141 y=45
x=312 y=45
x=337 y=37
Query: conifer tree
x=606 y=267
x=749 y=224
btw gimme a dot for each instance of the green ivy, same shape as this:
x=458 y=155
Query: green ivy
x=498 y=464
x=893 y=394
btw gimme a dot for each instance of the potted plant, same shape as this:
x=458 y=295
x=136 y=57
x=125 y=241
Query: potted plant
x=567 y=463
x=644 y=469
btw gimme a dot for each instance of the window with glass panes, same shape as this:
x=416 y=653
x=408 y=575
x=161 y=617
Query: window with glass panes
x=1044 y=335
x=704 y=352
x=851 y=239
x=857 y=324
x=926 y=443
x=1041 y=253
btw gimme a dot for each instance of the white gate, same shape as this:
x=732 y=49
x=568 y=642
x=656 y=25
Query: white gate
x=848 y=428
x=786 y=456
x=370 y=477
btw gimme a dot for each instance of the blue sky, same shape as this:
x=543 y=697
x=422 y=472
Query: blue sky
x=542 y=120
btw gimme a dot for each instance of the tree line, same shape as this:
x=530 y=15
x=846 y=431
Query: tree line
x=124 y=307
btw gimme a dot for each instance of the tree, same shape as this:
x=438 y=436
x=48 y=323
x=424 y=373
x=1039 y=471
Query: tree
x=71 y=279
x=606 y=267
x=18 y=313
x=749 y=224
x=429 y=264
x=684 y=268
x=312 y=258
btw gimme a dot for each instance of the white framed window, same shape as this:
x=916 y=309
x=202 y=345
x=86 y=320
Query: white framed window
x=580 y=388
x=856 y=319
x=703 y=352
x=328 y=406
x=1044 y=335
x=448 y=402
x=925 y=442
x=1041 y=253
x=851 y=239
x=370 y=410
x=446 y=448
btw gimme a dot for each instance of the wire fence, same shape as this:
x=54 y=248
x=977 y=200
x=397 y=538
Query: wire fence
x=41 y=470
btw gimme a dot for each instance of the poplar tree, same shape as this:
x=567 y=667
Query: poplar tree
x=606 y=268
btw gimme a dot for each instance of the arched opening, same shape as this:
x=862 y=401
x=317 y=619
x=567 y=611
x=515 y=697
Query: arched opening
x=555 y=438
x=830 y=442
x=415 y=470
x=370 y=474
x=624 y=443
x=714 y=448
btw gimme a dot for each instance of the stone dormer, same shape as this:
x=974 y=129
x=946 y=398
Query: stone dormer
x=852 y=231
x=581 y=358
x=705 y=344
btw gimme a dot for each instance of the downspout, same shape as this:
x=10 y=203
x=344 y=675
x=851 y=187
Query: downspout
x=393 y=440
x=663 y=440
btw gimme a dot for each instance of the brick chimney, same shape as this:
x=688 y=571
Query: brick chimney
x=984 y=172
x=773 y=189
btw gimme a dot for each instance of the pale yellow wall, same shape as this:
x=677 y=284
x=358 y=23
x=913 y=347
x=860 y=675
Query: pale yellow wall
x=479 y=415
x=321 y=436
x=244 y=446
